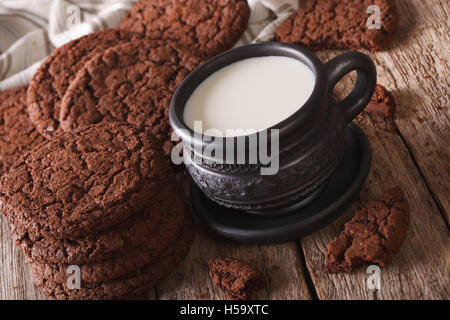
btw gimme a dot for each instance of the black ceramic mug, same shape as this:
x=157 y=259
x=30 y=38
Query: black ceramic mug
x=311 y=141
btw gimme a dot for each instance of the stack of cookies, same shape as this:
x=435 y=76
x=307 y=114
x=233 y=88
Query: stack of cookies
x=86 y=183
x=101 y=198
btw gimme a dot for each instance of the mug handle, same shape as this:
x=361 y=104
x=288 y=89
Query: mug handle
x=366 y=80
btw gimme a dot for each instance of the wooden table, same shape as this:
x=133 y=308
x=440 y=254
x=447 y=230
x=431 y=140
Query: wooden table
x=412 y=151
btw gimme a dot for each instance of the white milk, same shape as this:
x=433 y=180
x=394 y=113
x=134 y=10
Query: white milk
x=254 y=93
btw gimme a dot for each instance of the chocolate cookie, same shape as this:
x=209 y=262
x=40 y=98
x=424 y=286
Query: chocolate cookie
x=127 y=262
x=374 y=235
x=83 y=182
x=51 y=81
x=237 y=278
x=127 y=286
x=133 y=82
x=107 y=244
x=339 y=24
x=165 y=209
x=382 y=103
x=208 y=26
x=17 y=133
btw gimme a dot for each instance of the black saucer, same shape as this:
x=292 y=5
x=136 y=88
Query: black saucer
x=341 y=189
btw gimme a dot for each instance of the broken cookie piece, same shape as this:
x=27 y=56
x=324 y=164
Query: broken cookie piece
x=237 y=278
x=374 y=234
x=382 y=103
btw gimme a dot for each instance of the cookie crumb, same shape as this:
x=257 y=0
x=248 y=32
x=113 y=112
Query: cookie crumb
x=173 y=296
x=374 y=235
x=237 y=278
x=382 y=103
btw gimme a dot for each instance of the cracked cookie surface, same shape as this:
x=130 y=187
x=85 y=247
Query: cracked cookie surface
x=84 y=181
x=50 y=82
x=133 y=82
x=374 y=235
x=209 y=26
x=17 y=134
x=339 y=24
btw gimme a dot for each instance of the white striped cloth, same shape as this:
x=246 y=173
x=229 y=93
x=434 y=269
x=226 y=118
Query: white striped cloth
x=31 y=29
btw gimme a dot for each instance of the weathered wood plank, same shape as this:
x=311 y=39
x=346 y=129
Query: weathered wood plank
x=416 y=70
x=427 y=245
x=280 y=263
x=16 y=280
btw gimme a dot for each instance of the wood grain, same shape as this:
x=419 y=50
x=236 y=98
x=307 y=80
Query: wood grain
x=420 y=269
x=416 y=69
x=16 y=279
x=280 y=263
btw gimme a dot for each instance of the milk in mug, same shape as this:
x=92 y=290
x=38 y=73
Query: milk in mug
x=251 y=94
